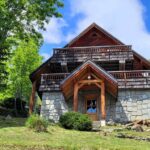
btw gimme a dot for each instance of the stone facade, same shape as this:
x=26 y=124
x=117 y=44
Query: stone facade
x=110 y=107
x=133 y=105
x=110 y=104
x=53 y=106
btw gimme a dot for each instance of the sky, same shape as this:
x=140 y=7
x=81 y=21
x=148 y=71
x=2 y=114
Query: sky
x=127 y=20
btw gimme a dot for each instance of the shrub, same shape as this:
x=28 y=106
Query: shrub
x=75 y=120
x=37 y=123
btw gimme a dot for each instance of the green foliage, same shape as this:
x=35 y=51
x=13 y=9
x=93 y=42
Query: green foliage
x=14 y=136
x=37 y=123
x=20 y=19
x=25 y=59
x=5 y=94
x=77 y=121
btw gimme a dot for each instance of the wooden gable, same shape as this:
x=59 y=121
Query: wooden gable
x=82 y=72
x=94 y=35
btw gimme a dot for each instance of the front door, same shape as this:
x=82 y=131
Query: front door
x=91 y=106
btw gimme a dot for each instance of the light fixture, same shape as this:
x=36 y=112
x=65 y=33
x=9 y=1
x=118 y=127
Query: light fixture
x=89 y=77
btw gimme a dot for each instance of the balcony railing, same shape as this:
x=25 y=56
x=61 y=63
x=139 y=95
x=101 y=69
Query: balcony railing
x=126 y=79
x=132 y=79
x=53 y=78
x=96 y=53
x=136 y=74
x=93 y=49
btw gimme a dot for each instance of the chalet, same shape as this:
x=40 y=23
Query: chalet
x=95 y=74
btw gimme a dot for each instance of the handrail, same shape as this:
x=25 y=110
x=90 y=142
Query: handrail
x=96 y=53
x=57 y=77
x=113 y=48
x=130 y=74
x=53 y=78
x=107 y=47
x=126 y=79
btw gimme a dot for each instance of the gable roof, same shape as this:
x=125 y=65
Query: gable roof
x=68 y=83
x=94 y=25
x=144 y=60
x=35 y=75
x=92 y=64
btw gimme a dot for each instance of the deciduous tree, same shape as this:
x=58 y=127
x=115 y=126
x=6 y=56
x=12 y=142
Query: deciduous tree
x=21 y=18
x=25 y=59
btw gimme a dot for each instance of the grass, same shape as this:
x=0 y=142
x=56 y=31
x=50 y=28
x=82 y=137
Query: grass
x=15 y=136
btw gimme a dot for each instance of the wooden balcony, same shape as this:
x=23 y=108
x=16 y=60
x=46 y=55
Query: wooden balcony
x=132 y=79
x=51 y=82
x=126 y=79
x=96 y=53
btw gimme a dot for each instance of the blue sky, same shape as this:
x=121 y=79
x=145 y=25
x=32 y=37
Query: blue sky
x=128 y=20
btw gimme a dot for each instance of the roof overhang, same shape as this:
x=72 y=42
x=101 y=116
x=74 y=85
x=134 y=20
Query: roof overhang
x=67 y=85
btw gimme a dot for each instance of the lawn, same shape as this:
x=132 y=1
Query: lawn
x=15 y=136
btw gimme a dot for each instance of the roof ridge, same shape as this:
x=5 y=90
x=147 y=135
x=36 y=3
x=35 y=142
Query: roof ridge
x=90 y=27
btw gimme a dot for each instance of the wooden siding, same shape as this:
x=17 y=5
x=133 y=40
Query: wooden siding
x=93 y=37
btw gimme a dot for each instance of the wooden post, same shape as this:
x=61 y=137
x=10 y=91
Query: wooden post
x=103 y=111
x=75 y=97
x=32 y=98
x=122 y=65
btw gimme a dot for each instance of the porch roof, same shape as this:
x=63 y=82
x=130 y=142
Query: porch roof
x=68 y=83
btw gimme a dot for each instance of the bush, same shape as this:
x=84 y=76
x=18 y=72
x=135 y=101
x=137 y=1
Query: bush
x=8 y=107
x=37 y=123
x=75 y=120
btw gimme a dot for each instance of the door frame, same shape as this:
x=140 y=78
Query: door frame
x=88 y=97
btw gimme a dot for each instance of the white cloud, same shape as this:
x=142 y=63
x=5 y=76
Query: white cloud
x=45 y=56
x=54 y=33
x=122 y=18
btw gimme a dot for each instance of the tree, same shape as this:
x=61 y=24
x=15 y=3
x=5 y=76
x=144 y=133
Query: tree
x=25 y=60
x=21 y=18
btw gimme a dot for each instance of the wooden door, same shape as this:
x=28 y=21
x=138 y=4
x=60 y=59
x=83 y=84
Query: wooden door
x=91 y=106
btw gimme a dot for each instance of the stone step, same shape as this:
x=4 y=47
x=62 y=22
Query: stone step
x=96 y=125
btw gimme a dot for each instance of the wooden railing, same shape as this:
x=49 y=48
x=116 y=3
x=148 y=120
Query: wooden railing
x=96 y=53
x=93 y=49
x=132 y=79
x=126 y=79
x=53 y=78
x=130 y=74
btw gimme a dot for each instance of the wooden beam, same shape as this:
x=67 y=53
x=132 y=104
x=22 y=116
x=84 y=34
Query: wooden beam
x=90 y=81
x=32 y=98
x=80 y=85
x=122 y=65
x=84 y=76
x=92 y=74
x=98 y=85
x=103 y=109
x=75 y=97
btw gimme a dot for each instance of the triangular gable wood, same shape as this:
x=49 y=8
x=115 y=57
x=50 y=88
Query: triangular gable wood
x=94 y=35
x=67 y=83
x=143 y=61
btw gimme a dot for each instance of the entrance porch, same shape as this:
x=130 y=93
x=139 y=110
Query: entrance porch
x=88 y=86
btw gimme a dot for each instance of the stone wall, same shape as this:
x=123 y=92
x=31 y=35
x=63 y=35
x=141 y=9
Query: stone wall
x=110 y=107
x=110 y=104
x=133 y=105
x=53 y=105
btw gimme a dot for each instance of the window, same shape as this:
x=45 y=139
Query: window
x=91 y=106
